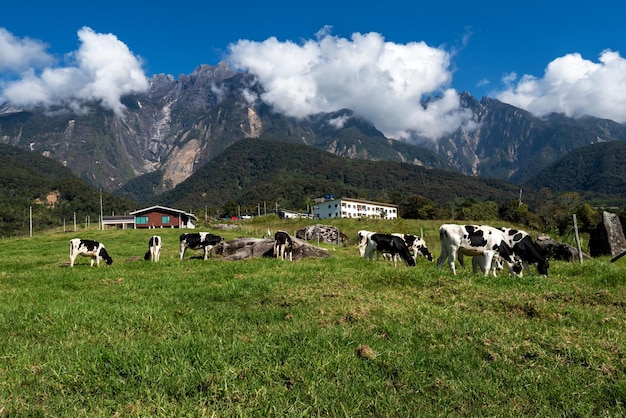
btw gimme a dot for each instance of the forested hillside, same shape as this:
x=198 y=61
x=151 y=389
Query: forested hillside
x=253 y=171
x=595 y=171
x=29 y=180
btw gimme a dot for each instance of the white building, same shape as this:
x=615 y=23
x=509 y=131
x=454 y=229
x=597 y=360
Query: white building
x=353 y=208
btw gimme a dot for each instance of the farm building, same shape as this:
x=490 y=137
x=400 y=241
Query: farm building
x=352 y=208
x=163 y=217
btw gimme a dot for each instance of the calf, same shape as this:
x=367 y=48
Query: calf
x=198 y=240
x=154 y=249
x=525 y=248
x=484 y=242
x=283 y=245
x=88 y=248
x=386 y=243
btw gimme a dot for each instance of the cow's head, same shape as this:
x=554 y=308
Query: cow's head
x=542 y=267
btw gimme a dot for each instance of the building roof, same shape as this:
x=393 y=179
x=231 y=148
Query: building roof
x=163 y=209
x=369 y=202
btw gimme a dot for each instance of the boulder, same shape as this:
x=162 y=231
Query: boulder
x=324 y=233
x=608 y=237
x=245 y=248
x=557 y=250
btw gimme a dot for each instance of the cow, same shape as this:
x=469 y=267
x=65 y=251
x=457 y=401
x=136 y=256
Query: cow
x=525 y=248
x=417 y=245
x=198 y=240
x=387 y=243
x=154 y=249
x=283 y=245
x=484 y=242
x=88 y=248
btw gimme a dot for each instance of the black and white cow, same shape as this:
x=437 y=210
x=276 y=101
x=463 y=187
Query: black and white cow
x=484 y=242
x=387 y=243
x=283 y=245
x=88 y=248
x=154 y=249
x=525 y=248
x=198 y=240
x=417 y=245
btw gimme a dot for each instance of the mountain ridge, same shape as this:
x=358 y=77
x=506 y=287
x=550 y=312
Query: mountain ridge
x=183 y=123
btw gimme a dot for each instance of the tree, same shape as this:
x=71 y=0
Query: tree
x=417 y=207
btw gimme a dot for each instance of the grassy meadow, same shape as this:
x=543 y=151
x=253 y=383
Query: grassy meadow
x=339 y=336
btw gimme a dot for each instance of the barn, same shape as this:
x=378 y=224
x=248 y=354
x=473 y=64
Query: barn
x=163 y=217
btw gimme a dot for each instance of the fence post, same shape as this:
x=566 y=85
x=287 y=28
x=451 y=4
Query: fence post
x=580 y=254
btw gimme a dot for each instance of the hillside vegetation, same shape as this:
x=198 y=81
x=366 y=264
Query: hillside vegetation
x=339 y=336
x=253 y=171
x=28 y=179
x=597 y=170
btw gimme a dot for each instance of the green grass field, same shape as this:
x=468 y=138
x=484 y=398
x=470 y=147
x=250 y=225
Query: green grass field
x=339 y=336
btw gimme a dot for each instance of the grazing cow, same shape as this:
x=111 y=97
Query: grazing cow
x=525 y=248
x=283 y=246
x=198 y=240
x=154 y=249
x=417 y=245
x=88 y=248
x=387 y=243
x=484 y=242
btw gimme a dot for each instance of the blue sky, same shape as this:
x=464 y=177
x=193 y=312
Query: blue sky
x=542 y=56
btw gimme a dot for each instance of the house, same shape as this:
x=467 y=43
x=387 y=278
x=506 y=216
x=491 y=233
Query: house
x=163 y=217
x=344 y=207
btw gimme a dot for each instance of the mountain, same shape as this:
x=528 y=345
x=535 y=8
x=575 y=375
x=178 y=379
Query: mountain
x=179 y=125
x=594 y=170
x=254 y=171
x=514 y=145
x=29 y=180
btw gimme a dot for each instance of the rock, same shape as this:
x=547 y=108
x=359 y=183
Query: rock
x=245 y=248
x=608 y=237
x=325 y=233
x=557 y=250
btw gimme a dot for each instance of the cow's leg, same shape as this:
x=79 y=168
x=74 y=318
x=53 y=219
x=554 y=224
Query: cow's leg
x=486 y=262
x=182 y=250
x=206 y=252
x=92 y=260
x=462 y=260
x=476 y=263
x=368 y=253
x=444 y=255
x=452 y=260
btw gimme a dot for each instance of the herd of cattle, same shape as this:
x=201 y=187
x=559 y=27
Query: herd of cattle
x=490 y=248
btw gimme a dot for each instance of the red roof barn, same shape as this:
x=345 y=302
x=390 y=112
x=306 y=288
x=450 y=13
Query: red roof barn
x=163 y=217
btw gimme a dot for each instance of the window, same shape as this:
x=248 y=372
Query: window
x=165 y=219
x=141 y=220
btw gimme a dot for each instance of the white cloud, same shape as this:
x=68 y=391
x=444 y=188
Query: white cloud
x=381 y=81
x=103 y=69
x=574 y=86
x=19 y=54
